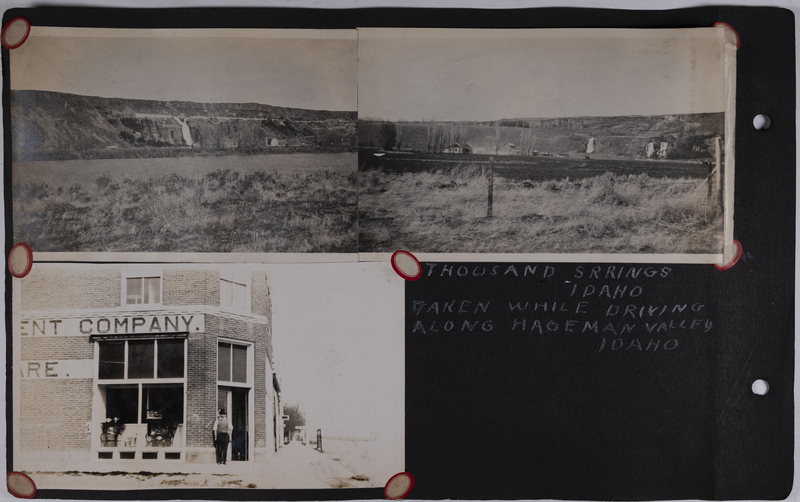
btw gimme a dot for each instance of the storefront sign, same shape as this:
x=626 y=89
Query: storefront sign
x=76 y=368
x=114 y=325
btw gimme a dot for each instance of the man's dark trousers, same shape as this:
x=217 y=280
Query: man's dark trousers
x=222 y=447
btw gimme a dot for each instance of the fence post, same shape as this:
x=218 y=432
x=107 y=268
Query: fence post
x=491 y=187
x=714 y=170
x=319 y=440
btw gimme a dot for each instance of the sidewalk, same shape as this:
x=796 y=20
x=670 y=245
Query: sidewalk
x=293 y=466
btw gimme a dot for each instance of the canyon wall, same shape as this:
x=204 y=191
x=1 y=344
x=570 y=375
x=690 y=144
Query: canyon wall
x=56 y=126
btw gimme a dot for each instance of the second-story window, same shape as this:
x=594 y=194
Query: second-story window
x=232 y=294
x=143 y=290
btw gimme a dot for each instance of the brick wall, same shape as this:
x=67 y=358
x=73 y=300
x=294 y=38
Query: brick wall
x=261 y=304
x=86 y=288
x=54 y=413
x=83 y=288
x=53 y=347
x=202 y=379
x=264 y=333
x=201 y=387
x=191 y=287
x=259 y=296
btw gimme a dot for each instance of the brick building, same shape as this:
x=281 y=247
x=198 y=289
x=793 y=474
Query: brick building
x=127 y=365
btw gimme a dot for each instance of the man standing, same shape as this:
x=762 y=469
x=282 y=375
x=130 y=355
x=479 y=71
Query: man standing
x=222 y=431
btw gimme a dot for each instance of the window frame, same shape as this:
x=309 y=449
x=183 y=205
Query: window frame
x=124 y=360
x=246 y=306
x=141 y=273
x=126 y=368
x=242 y=278
x=141 y=384
x=250 y=357
x=140 y=389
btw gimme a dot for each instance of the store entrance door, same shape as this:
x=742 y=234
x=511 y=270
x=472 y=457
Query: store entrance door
x=239 y=413
x=235 y=400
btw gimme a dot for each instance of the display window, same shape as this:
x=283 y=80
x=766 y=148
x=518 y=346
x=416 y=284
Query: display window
x=141 y=389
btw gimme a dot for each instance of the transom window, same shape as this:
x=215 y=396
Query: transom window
x=231 y=362
x=141 y=359
x=142 y=290
x=232 y=294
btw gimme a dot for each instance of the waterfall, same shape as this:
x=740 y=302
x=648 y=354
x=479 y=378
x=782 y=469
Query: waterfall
x=590 y=146
x=187 y=134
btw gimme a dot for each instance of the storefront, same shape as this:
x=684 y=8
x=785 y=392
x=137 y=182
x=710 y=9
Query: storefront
x=129 y=364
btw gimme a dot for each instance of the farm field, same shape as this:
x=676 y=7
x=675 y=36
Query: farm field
x=555 y=208
x=253 y=208
x=532 y=168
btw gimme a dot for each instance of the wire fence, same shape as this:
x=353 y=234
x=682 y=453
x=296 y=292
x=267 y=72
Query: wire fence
x=514 y=181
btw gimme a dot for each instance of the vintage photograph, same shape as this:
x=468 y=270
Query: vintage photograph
x=163 y=376
x=185 y=140
x=557 y=142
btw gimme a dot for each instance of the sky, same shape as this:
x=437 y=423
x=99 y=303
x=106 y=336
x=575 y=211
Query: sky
x=339 y=341
x=290 y=68
x=493 y=74
x=402 y=74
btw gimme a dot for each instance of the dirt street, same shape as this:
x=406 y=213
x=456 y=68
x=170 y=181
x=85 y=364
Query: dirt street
x=293 y=466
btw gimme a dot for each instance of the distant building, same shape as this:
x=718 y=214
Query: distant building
x=508 y=149
x=456 y=148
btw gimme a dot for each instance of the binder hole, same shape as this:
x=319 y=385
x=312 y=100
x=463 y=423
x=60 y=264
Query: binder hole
x=761 y=122
x=760 y=387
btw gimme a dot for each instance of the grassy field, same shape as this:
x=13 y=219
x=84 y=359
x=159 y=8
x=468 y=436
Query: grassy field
x=222 y=211
x=445 y=210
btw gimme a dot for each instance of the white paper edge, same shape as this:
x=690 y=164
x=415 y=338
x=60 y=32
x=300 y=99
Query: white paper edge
x=553 y=257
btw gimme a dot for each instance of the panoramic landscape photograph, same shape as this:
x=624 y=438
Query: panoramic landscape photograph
x=547 y=141
x=185 y=141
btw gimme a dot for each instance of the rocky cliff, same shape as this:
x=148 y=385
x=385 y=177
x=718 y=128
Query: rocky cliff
x=55 y=126
x=688 y=136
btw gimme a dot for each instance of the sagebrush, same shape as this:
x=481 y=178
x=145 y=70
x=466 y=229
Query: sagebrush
x=446 y=211
x=223 y=211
